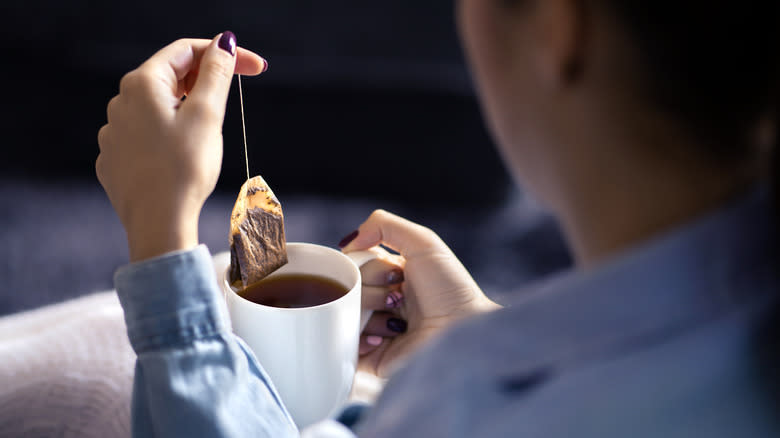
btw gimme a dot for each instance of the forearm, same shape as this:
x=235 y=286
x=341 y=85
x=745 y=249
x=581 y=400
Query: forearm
x=193 y=377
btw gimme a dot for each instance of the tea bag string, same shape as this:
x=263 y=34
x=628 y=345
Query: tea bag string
x=243 y=125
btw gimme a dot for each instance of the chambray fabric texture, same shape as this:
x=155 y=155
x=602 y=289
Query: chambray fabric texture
x=663 y=340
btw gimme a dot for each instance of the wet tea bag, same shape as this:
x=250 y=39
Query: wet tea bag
x=257 y=242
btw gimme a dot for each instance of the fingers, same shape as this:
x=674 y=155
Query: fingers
x=382 y=278
x=184 y=55
x=102 y=134
x=381 y=272
x=187 y=64
x=381 y=298
x=395 y=232
x=215 y=74
x=380 y=328
x=385 y=324
x=247 y=64
x=369 y=343
x=111 y=108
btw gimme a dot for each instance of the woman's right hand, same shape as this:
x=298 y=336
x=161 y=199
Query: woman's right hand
x=160 y=156
x=436 y=290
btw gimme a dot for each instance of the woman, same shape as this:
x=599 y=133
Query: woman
x=645 y=129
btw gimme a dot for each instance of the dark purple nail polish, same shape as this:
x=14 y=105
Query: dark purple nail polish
x=394 y=300
x=228 y=42
x=395 y=276
x=397 y=325
x=349 y=238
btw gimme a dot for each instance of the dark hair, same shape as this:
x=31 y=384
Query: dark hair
x=716 y=65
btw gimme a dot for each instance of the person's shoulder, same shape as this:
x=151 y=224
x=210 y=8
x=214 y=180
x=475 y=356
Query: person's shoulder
x=501 y=373
x=503 y=343
x=444 y=389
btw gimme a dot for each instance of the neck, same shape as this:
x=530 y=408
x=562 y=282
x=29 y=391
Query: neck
x=618 y=201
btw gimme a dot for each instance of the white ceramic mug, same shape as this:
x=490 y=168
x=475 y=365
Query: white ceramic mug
x=310 y=353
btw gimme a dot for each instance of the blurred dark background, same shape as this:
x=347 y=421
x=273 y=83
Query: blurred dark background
x=364 y=106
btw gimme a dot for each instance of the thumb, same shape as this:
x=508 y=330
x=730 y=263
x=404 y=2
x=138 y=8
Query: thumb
x=395 y=232
x=215 y=72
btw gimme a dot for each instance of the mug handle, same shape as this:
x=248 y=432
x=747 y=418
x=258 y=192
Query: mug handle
x=361 y=258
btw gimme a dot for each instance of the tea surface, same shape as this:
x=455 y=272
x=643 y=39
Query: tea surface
x=294 y=291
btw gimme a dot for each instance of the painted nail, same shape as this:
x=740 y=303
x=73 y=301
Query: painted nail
x=395 y=276
x=228 y=42
x=349 y=238
x=265 y=65
x=374 y=340
x=394 y=300
x=397 y=325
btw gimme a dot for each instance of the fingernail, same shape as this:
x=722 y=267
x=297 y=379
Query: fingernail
x=374 y=340
x=265 y=65
x=394 y=300
x=395 y=276
x=227 y=42
x=349 y=238
x=397 y=325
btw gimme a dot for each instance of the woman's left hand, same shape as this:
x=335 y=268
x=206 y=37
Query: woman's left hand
x=160 y=156
x=415 y=294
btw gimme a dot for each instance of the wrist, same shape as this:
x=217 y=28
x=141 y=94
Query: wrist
x=145 y=250
x=157 y=238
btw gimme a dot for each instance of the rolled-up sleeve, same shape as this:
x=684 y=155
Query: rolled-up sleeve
x=193 y=377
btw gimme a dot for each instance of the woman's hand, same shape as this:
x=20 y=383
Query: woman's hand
x=415 y=295
x=160 y=154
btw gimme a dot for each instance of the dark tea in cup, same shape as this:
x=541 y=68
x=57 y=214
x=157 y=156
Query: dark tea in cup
x=294 y=291
x=309 y=352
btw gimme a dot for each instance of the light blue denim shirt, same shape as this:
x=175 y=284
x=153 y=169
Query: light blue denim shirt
x=662 y=341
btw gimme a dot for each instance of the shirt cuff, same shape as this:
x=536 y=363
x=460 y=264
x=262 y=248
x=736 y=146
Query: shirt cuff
x=171 y=300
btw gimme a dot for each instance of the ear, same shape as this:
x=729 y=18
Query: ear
x=560 y=30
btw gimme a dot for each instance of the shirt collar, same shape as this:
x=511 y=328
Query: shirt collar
x=673 y=282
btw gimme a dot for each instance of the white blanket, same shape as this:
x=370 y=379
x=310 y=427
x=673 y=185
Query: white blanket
x=66 y=370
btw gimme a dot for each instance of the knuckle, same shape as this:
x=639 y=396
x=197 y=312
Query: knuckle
x=101 y=137
x=111 y=107
x=99 y=168
x=126 y=83
x=379 y=215
x=145 y=80
x=427 y=234
x=181 y=42
x=135 y=80
x=219 y=69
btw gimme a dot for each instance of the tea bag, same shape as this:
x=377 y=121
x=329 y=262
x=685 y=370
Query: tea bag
x=257 y=243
